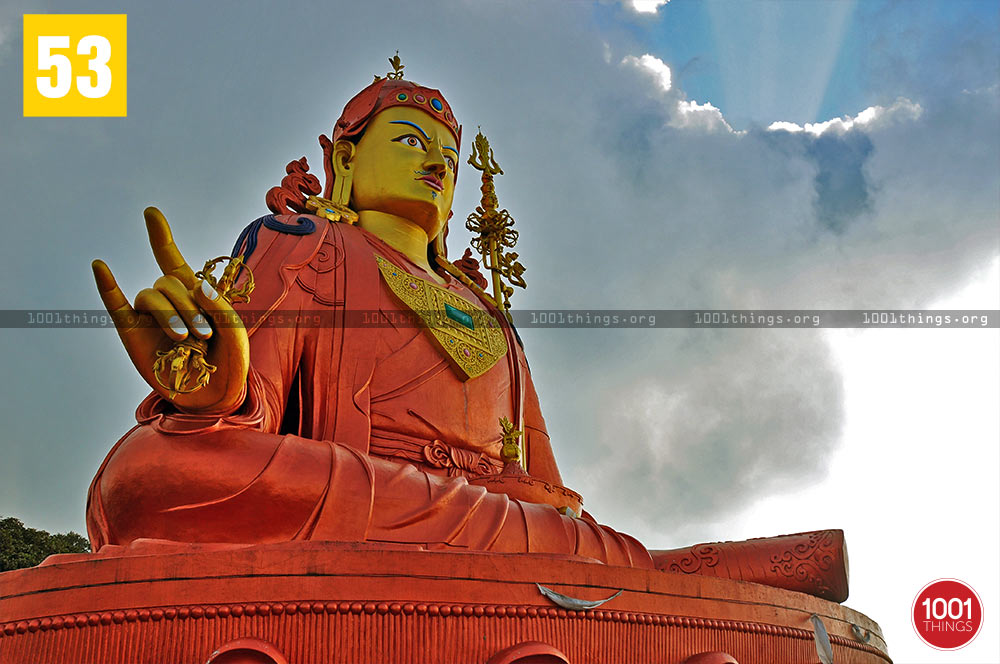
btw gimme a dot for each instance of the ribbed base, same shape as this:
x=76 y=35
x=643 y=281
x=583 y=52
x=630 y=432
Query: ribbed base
x=334 y=602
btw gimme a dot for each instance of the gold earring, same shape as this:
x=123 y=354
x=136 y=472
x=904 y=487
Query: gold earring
x=438 y=246
x=342 y=188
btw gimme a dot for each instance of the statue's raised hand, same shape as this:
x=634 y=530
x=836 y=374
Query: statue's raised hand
x=179 y=306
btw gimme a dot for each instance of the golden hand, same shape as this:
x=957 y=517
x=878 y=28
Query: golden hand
x=178 y=307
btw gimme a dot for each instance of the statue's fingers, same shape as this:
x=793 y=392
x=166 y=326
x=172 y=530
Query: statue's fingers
x=124 y=316
x=227 y=322
x=180 y=297
x=167 y=255
x=156 y=304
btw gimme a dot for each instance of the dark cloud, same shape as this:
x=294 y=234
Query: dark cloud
x=842 y=193
x=694 y=426
x=691 y=427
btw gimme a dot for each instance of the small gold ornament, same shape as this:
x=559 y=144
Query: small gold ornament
x=226 y=284
x=324 y=207
x=397 y=69
x=185 y=366
x=510 y=445
x=187 y=369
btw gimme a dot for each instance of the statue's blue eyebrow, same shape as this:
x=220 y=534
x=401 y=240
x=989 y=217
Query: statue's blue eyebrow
x=448 y=147
x=412 y=124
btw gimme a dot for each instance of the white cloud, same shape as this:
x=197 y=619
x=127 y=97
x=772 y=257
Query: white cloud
x=987 y=90
x=781 y=125
x=903 y=109
x=646 y=6
x=686 y=114
x=692 y=115
x=654 y=66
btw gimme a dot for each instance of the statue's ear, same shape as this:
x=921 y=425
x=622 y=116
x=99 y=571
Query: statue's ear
x=343 y=157
x=343 y=169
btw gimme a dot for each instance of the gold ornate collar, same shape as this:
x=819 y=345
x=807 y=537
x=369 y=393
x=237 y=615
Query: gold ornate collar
x=470 y=338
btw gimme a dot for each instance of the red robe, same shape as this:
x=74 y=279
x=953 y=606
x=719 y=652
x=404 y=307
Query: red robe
x=352 y=429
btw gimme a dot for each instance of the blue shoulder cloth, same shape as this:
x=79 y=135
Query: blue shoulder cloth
x=249 y=234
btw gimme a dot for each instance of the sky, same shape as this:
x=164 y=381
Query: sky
x=679 y=155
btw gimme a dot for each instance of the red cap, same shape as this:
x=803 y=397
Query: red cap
x=386 y=93
x=380 y=95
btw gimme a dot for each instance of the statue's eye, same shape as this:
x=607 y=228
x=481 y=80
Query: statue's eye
x=451 y=163
x=412 y=140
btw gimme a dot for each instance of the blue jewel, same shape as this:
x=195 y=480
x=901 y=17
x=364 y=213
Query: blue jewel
x=436 y=104
x=459 y=316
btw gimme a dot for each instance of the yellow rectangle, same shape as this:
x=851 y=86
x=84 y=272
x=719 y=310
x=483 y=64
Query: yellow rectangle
x=75 y=65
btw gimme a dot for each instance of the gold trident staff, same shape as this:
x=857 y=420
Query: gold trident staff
x=493 y=229
x=185 y=365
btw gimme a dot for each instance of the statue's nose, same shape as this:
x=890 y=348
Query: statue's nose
x=434 y=161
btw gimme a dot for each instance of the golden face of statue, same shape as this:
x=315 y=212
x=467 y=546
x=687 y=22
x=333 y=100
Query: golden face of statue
x=404 y=165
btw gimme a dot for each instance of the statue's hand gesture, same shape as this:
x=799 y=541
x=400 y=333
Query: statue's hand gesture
x=178 y=305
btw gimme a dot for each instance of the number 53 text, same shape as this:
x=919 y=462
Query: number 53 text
x=75 y=65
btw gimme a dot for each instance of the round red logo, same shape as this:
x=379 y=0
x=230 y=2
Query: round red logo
x=947 y=614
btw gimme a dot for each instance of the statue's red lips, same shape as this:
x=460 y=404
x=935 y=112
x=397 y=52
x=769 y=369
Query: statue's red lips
x=434 y=182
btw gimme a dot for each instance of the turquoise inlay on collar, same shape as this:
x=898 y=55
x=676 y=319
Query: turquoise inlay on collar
x=412 y=124
x=459 y=316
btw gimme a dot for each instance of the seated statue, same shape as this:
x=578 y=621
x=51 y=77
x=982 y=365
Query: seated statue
x=358 y=397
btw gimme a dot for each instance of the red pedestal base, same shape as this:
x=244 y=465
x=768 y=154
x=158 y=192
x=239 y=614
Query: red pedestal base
x=306 y=603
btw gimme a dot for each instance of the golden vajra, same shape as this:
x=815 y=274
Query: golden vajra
x=185 y=365
x=510 y=447
x=493 y=229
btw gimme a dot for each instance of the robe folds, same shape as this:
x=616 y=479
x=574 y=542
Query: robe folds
x=354 y=426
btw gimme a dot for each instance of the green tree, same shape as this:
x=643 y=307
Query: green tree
x=26 y=547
